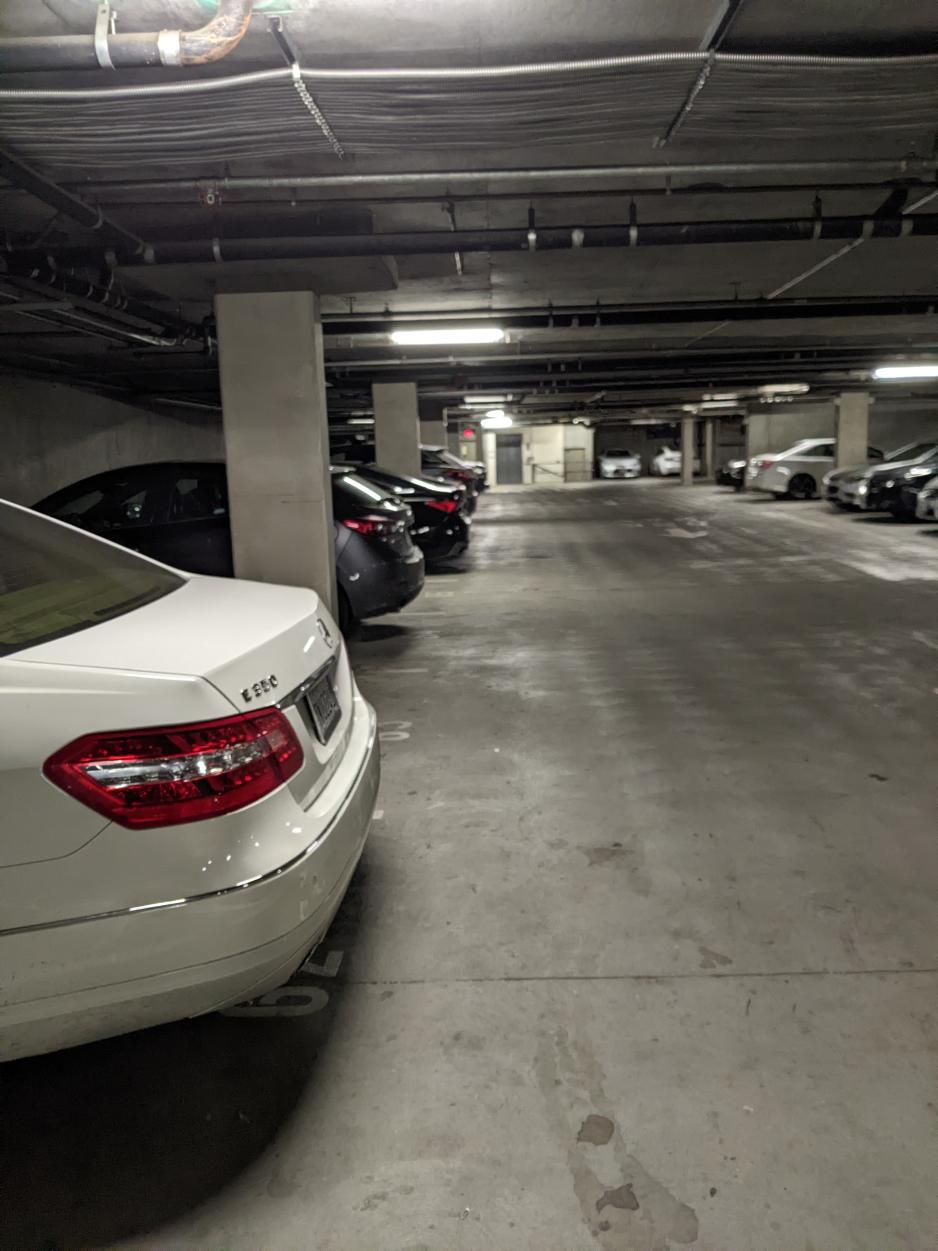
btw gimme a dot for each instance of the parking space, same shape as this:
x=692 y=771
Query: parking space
x=640 y=951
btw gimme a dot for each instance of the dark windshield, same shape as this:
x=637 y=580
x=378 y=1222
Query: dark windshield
x=912 y=451
x=617 y=451
x=55 y=580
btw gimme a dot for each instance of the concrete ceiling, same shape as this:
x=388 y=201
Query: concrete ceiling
x=742 y=113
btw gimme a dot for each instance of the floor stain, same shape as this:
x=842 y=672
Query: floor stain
x=710 y=959
x=634 y=1212
x=622 y=1197
x=596 y=1129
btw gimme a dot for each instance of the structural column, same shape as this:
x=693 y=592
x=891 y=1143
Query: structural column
x=688 y=432
x=853 y=429
x=709 y=456
x=757 y=434
x=277 y=438
x=432 y=420
x=397 y=426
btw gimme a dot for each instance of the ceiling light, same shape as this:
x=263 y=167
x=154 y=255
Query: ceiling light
x=496 y=419
x=486 y=401
x=721 y=395
x=443 y=335
x=923 y=370
x=783 y=388
x=361 y=421
x=709 y=405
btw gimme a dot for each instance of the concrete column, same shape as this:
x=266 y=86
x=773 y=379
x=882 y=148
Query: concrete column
x=432 y=420
x=397 y=426
x=853 y=429
x=688 y=441
x=277 y=438
x=709 y=457
x=757 y=434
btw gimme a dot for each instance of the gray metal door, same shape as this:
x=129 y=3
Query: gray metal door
x=508 y=459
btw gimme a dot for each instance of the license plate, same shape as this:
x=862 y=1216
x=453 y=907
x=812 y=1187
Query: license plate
x=324 y=708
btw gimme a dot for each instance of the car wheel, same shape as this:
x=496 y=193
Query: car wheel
x=347 y=620
x=802 y=487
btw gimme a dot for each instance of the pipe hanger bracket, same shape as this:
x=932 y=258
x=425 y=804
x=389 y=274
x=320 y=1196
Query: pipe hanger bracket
x=105 y=23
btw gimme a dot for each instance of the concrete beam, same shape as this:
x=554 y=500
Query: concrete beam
x=277 y=439
x=397 y=426
x=853 y=429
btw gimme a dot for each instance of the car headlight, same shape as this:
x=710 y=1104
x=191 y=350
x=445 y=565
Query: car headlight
x=828 y=478
x=889 y=484
x=920 y=471
x=862 y=487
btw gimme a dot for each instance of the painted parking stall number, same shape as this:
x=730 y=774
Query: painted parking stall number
x=394 y=731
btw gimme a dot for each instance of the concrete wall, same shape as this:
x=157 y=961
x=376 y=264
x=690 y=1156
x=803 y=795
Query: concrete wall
x=892 y=423
x=53 y=435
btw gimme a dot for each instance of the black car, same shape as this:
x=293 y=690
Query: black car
x=732 y=474
x=177 y=512
x=895 y=488
x=442 y=524
x=435 y=462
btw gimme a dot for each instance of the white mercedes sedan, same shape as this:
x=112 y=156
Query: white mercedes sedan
x=187 y=777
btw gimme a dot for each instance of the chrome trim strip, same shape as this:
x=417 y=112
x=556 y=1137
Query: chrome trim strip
x=225 y=890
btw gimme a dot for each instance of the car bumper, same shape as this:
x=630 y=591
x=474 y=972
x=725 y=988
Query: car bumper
x=620 y=473
x=73 y=982
x=446 y=541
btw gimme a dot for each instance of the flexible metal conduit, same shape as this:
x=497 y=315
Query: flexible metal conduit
x=208 y=43
x=548 y=238
x=22 y=54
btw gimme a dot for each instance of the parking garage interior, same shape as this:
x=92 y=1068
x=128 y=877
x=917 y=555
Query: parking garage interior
x=641 y=950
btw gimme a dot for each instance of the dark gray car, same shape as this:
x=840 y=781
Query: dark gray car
x=177 y=512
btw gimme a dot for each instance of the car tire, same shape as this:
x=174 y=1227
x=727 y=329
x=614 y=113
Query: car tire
x=802 y=487
x=347 y=619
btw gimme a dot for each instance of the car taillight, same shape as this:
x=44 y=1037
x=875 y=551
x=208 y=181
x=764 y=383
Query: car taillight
x=374 y=527
x=175 y=774
x=765 y=462
x=443 y=506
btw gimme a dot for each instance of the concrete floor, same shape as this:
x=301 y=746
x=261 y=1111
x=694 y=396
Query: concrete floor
x=642 y=954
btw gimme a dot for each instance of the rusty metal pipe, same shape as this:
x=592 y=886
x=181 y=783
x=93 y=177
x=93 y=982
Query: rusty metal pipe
x=208 y=43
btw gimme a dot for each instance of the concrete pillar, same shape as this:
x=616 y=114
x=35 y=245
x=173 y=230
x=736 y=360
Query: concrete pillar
x=277 y=438
x=757 y=434
x=709 y=457
x=853 y=429
x=397 y=426
x=432 y=420
x=688 y=441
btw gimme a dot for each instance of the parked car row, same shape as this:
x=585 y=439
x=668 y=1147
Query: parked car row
x=903 y=482
x=385 y=525
x=621 y=463
x=187 y=768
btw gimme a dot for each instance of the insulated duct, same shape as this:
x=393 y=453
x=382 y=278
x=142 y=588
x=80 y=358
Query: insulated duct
x=208 y=43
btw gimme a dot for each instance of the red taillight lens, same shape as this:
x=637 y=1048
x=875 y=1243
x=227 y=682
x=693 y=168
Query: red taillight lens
x=174 y=774
x=374 y=527
x=443 y=506
x=765 y=462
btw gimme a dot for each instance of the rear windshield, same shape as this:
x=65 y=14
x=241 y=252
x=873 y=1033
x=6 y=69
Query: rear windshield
x=55 y=580
x=911 y=451
x=349 y=488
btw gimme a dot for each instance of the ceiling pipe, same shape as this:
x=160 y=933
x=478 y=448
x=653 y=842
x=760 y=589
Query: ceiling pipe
x=594 y=316
x=44 y=279
x=208 y=43
x=462 y=177
x=518 y=239
x=28 y=179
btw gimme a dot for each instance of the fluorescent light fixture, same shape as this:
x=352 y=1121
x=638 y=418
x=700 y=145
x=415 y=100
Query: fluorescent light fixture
x=496 y=419
x=361 y=421
x=443 y=335
x=784 y=388
x=708 y=405
x=485 y=401
x=721 y=395
x=922 y=370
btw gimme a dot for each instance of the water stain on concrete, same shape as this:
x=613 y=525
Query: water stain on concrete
x=622 y=1197
x=710 y=959
x=596 y=1130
